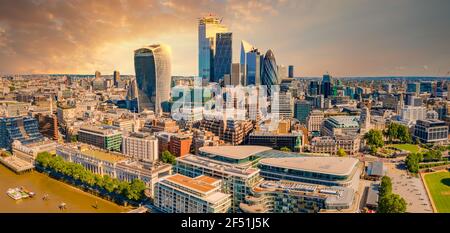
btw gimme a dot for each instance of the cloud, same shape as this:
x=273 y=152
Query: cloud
x=345 y=37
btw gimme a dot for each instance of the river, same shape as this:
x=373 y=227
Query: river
x=76 y=200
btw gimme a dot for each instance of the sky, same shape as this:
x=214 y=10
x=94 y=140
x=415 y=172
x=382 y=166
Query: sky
x=342 y=37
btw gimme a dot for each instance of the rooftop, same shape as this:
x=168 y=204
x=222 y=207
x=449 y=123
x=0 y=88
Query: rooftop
x=200 y=184
x=102 y=155
x=234 y=152
x=344 y=121
x=326 y=165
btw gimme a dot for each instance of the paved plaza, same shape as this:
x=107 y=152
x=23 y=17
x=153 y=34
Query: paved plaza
x=410 y=188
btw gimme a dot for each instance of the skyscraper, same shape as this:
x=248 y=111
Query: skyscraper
x=270 y=70
x=208 y=27
x=223 y=57
x=326 y=86
x=314 y=88
x=291 y=71
x=116 y=77
x=251 y=60
x=153 y=75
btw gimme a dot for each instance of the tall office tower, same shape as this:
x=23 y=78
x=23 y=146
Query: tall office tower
x=237 y=75
x=426 y=87
x=132 y=90
x=413 y=88
x=282 y=105
x=270 y=71
x=314 y=88
x=223 y=57
x=282 y=72
x=153 y=75
x=326 y=85
x=116 y=78
x=302 y=108
x=291 y=71
x=98 y=83
x=252 y=61
x=98 y=74
x=208 y=27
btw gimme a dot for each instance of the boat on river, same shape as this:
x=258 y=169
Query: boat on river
x=19 y=193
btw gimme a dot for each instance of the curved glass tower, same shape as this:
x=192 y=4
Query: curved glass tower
x=153 y=75
x=269 y=71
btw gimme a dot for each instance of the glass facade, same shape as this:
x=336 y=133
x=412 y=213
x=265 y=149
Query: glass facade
x=223 y=57
x=153 y=74
x=302 y=110
x=269 y=72
x=252 y=61
x=24 y=129
x=208 y=27
x=326 y=86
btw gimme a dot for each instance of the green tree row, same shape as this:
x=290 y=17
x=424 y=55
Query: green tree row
x=389 y=202
x=398 y=132
x=130 y=190
x=412 y=160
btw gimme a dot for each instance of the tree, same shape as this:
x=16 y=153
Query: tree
x=341 y=153
x=285 y=149
x=432 y=155
x=391 y=131
x=385 y=186
x=412 y=162
x=168 y=157
x=403 y=134
x=399 y=132
x=391 y=203
x=374 y=138
x=373 y=150
x=136 y=190
x=108 y=183
x=73 y=138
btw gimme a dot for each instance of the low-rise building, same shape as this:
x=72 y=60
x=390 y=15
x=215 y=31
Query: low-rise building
x=297 y=197
x=141 y=146
x=113 y=164
x=328 y=171
x=431 y=131
x=182 y=194
x=29 y=152
x=102 y=137
x=340 y=125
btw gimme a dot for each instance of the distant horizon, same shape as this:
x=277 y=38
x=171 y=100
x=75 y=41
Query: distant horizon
x=305 y=77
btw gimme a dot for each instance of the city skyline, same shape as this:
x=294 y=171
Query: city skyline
x=346 y=38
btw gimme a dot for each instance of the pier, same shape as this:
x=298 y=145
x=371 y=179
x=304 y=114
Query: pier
x=16 y=164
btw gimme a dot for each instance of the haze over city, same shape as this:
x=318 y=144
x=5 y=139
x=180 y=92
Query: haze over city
x=345 y=38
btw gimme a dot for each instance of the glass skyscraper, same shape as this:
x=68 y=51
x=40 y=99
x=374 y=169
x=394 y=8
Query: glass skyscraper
x=326 y=86
x=251 y=60
x=208 y=27
x=269 y=72
x=224 y=55
x=153 y=75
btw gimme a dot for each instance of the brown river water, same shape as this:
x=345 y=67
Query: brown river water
x=76 y=200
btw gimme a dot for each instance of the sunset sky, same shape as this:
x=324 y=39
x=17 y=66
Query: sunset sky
x=343 y=37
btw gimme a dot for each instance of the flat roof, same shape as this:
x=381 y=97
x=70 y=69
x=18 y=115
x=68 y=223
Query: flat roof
x=327 y=165
x=102 y=155
x=234 y=152
x=199 y=185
